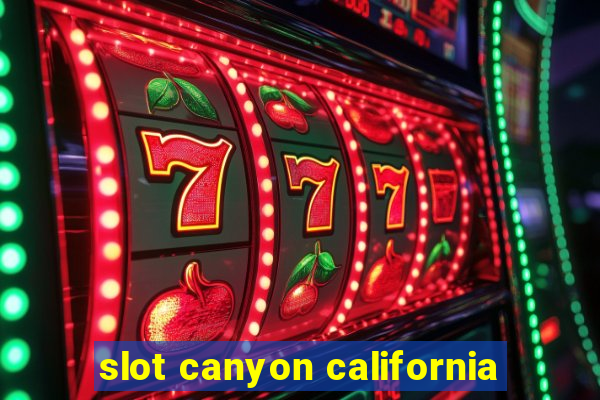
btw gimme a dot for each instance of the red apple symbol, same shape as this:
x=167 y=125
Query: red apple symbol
x=372 y=123
x=198 y=310
x=386 y=276
x=286 y=116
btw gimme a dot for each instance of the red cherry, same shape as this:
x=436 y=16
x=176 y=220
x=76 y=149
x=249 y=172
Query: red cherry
x=426 y=142
x=437 y=270
x=372 y=123
x=299 y=300
x=386 y=276
x=286 y=116
x=198 y=310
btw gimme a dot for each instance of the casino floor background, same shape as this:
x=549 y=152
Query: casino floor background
x=299 y=170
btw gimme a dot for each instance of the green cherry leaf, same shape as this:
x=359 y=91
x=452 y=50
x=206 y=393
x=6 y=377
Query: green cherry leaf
x=325 y=268
x=195 y=100
x=301 y=271
x=161 y=94
x=435 y=254
x=298 y=102
x=446 y=250
x=268 y=93
x=326 y=261
x=322 y=275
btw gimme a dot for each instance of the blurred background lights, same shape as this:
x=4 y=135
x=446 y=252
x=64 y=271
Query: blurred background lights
x=4 y=64
x=6 y=100
x=8 y=137
x=14 y=355
x=12 y=258
x=17 y=395
x=14 y=304
x=11 y=216
x=9 y=176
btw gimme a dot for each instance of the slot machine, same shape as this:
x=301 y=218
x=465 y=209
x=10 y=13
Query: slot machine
x=231 y=170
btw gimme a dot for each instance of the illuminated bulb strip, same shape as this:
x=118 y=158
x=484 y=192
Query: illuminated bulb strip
x=464 y=207
x=587 y=344
x=423 y=216
x=108 y=236
x=14 y=301
x=489 y=202
x=142 y=16
x=266 y=199
x=495 y=97
x=361 y=218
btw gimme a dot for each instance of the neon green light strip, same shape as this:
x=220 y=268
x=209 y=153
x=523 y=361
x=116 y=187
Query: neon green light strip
x=496 y=98
x=551 y=191
x=537 y=23
x=15 y=352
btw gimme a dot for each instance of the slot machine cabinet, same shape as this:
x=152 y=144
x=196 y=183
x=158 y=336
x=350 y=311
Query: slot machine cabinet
x=216 y=181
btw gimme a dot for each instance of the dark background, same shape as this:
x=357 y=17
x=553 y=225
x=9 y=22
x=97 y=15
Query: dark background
x=575 y=136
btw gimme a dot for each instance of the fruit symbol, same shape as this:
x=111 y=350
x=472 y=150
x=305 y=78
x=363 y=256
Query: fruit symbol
x=301 y=293
x=372 y=123
x=197 y=310
x=429 y=143
x=156 y=55
x=437 y=265
x=285 y=108
x=387 y=275
x=444 y=191
x=164 y=93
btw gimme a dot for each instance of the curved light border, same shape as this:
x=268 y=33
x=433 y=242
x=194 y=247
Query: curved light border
x=499 y=124
x=551 y=192
x=533 y=19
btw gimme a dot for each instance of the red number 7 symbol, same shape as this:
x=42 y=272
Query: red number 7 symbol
x=205 y=164
x=319 y=215
x=388 y=177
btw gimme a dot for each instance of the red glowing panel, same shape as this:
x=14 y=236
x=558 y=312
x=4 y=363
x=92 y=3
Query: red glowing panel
x=444 y=185
x=388 y=177
x=437 y=14
x=199 y=205
x=550 y=330
x=319 y=213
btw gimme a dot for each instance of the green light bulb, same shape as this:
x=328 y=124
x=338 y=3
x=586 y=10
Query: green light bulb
x=14 y=355
x=6 y=100
x=17 y=395
x=531 y=305
x=14 y=304
x=533 y=321
x=543 y=383
x=4 y=64
x=8 y=137
x=497 y=7
x=538 y=352
x=12 y=258
x=9 y=176
x=2 y=8
x=541 y=368
x=11 y=216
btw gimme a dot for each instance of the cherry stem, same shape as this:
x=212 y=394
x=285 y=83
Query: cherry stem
x=286 y=101
x=311 y=276
x=192 y=280
x=389 y=251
